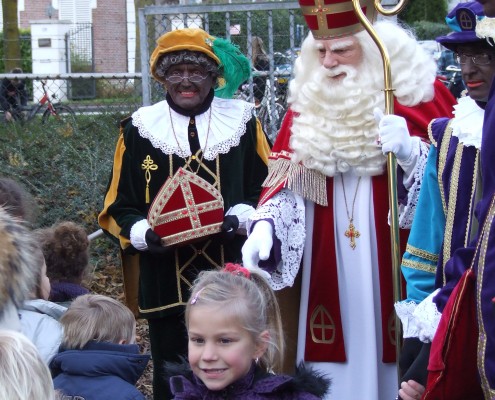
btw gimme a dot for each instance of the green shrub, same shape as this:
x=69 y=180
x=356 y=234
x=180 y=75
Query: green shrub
x=66 y=173
x=426 y=30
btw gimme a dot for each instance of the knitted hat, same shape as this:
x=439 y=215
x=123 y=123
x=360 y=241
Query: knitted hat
x=328 y=19
x=234 y=67
x=462 y=20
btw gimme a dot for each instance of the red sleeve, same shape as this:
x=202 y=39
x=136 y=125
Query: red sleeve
x=419 y=116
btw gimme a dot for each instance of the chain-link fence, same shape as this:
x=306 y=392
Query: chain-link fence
x=278 y=25
x=118 y=94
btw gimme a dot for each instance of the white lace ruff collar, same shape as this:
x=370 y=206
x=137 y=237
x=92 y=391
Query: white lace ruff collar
x=227 y=125
x=467 y=124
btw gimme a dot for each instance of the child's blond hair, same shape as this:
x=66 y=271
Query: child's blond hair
x=23 y=374
x=94 y=317
x=251 y=300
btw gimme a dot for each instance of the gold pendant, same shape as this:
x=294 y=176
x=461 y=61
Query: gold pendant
x=352 y=233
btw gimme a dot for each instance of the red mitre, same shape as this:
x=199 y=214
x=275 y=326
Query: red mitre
x=185 y=209
x=328 y=19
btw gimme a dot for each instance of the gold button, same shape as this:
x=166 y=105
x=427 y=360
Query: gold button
x=193 y=157
x=191 y=121
x=192 y=134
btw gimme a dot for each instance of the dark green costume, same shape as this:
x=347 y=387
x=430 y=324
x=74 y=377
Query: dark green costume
x=234 y=162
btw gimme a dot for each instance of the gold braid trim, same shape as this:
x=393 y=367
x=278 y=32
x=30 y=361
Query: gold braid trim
x=420 y=266
x=415 y=251
x=430 y=133
x=310 y=184
x=482 y=248
x=442 y=158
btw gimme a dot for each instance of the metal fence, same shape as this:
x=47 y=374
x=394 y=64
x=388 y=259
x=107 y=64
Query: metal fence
x=113 y=93
x=280 y=25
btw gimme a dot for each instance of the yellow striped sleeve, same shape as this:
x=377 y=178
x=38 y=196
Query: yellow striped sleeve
x=106 y=221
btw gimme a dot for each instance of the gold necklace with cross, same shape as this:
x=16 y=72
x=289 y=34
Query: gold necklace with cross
x=352 y=233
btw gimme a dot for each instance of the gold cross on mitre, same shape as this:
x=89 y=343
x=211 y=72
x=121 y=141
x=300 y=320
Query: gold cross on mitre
x=334 y=18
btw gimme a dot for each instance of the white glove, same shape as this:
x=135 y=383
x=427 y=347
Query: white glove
x=258 y=245
x=394 y=135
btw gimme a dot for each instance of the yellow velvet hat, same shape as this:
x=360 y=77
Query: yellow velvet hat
x=329 y=19
x=193 y=39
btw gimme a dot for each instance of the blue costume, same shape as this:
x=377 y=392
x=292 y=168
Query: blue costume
x=463 y=350
x=99 y=371
x=444 y=215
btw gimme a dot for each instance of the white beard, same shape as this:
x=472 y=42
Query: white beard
x=335 y=130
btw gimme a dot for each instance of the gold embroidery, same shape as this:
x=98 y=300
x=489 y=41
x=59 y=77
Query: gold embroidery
x=489 y=393
x=442 y=158
x=391 y=327
x=415 y=251
x=474 y=188
x=322 y=321
x=179 y=273
x=451 y=208
x=148 y=165
x=430 y=133
x=420 y=266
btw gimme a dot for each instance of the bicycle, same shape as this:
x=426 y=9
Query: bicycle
x=60 y=116
x=454 y=83
x=269 y=111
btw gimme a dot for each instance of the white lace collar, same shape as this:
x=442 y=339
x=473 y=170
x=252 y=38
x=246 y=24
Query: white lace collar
x=467 y=124
x=227 y=125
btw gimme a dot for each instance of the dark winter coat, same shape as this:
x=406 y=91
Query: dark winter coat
x=100 y=371
x=256 y=385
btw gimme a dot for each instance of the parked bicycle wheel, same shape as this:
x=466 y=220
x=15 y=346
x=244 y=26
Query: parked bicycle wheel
x=63 y=119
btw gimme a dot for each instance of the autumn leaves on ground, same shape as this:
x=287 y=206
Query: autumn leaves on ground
x=67 y=174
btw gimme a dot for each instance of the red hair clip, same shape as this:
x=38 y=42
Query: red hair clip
x=237 y=269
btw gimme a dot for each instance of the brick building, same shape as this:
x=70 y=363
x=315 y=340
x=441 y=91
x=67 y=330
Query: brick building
x=103 y=31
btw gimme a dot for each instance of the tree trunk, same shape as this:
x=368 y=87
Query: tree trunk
x=11 y=44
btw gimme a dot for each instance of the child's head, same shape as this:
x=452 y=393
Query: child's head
x=42 y=287
x=23 y=373
x=232 y=321
x=18 y=263
x=94 y=317
x=16 y=200
x=66 y=249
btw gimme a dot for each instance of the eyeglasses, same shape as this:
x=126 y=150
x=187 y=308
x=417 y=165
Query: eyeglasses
x=195 y=77
x=477 y=59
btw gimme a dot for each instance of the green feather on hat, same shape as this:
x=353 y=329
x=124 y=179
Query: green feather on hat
x=235 y=67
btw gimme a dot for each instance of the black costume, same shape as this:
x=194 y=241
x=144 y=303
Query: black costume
x=226 y=147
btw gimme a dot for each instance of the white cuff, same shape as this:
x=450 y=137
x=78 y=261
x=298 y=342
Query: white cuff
x=405 y=310
x=138 y=233
x=428 y=318
x=409 y=164
x=242 y=212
